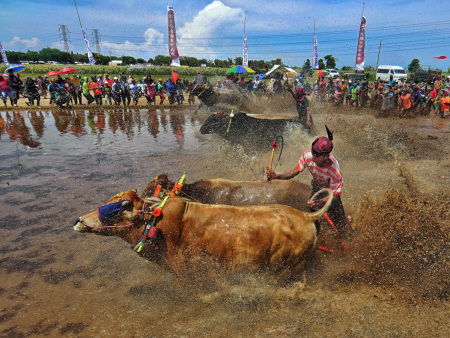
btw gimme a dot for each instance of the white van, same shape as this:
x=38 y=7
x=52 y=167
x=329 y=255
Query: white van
x=384 y=73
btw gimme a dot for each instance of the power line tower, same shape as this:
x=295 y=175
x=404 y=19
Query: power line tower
x=65 y=37
x=97 y=43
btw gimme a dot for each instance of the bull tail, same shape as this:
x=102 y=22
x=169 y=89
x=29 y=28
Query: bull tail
x=319 y=213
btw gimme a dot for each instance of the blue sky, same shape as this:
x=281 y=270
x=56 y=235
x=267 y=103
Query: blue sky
x=214 y=29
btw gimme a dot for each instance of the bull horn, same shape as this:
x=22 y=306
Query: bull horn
x=134 y=190
x=125 y=203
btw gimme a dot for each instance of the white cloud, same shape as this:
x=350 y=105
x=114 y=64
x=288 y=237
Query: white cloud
x=154 y=44
x=28 y=43
x=193 y=36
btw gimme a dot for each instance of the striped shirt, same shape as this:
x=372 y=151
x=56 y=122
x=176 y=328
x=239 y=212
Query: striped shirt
x=324 y=177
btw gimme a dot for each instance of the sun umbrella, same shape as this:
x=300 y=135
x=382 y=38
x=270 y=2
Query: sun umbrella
x=17 y=68
x=320 y=73
x=239 y=70
x=67 y=70
x=53 y=72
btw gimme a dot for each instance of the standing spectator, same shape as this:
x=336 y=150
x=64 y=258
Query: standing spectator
x=15 y=86
x=98 y=94
x=159 y=91
x=116 y=90
x=77 y=88
x=444 y=103
x=447 y=84
x=179 y=88
x=86 y=92
x=126 y=97
x=171 y=91
x=4 y=88
x=437 y=85
x=405 y=103
x=134 y=92
x=107 y=85
x=42 y=88
x=71 y=89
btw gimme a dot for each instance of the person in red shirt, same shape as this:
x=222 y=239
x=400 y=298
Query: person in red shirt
x=98 y=94
x=325 y=172
x=4 y=88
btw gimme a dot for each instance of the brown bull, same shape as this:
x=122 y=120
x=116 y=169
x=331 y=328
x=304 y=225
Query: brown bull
x=193 y=236
x=220 y=191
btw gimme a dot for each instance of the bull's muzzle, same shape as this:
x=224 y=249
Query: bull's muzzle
x=79 y=226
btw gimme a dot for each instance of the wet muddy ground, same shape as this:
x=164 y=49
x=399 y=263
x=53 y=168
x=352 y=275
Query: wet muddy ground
x=58 y=165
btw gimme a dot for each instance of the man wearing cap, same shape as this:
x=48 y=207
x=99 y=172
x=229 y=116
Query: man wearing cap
x=325 y=172
x=199 y=79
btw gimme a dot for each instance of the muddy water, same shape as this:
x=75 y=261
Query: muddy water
x=58 y=165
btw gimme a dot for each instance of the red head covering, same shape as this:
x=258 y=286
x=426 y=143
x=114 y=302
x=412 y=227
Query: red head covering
x=323 y=145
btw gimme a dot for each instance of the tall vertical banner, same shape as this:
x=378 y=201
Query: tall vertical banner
x=315 y=54
x=89 y=53
x=245 y=53
x=173 y=50
x=361 y=45
x=2 y=51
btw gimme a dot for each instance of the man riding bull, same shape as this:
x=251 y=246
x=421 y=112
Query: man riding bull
x=325 y=172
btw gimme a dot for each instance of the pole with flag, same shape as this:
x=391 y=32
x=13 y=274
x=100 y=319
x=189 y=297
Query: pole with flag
x=86 y=41
x=173 y=49
x=245 y=52
x=359 y=64
x=315 y=57
x=2 y=51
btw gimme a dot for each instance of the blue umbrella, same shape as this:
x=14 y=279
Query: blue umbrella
x=17 y=68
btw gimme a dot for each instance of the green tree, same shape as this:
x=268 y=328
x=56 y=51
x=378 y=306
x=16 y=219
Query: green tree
x=162 y=60
x=128 y=60
x=331 y=61
x=306 y=65
x=369 y=68
x=321 y=64
x=140 y=60
x=347 y=68
x=414 y=65
x=238 y=61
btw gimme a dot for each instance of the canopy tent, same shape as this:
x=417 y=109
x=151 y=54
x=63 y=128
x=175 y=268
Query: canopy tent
x=288 y=69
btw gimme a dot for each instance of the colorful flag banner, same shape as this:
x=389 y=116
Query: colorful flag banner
x=442 y=57
x=315 y=54
x=2 y=51
x=245 y=53
x=173 y=50
x=89 y=53
x=361 y=45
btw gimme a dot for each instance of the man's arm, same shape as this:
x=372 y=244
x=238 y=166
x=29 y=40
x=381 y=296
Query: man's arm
x=271 y=175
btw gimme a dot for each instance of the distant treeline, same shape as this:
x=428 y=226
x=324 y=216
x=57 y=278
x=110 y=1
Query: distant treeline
x=53 y=54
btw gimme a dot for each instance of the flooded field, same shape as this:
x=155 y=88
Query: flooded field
x=58 y=165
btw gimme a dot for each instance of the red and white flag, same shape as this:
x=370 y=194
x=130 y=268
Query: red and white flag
x=173 y=50
x=361 y=45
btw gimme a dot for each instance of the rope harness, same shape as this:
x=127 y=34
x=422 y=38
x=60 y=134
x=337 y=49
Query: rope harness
x=107 y=212
x=150 y=230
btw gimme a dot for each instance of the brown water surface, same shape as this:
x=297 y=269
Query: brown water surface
x=58 y=165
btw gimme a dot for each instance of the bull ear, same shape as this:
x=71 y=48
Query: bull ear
x=125 y=203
